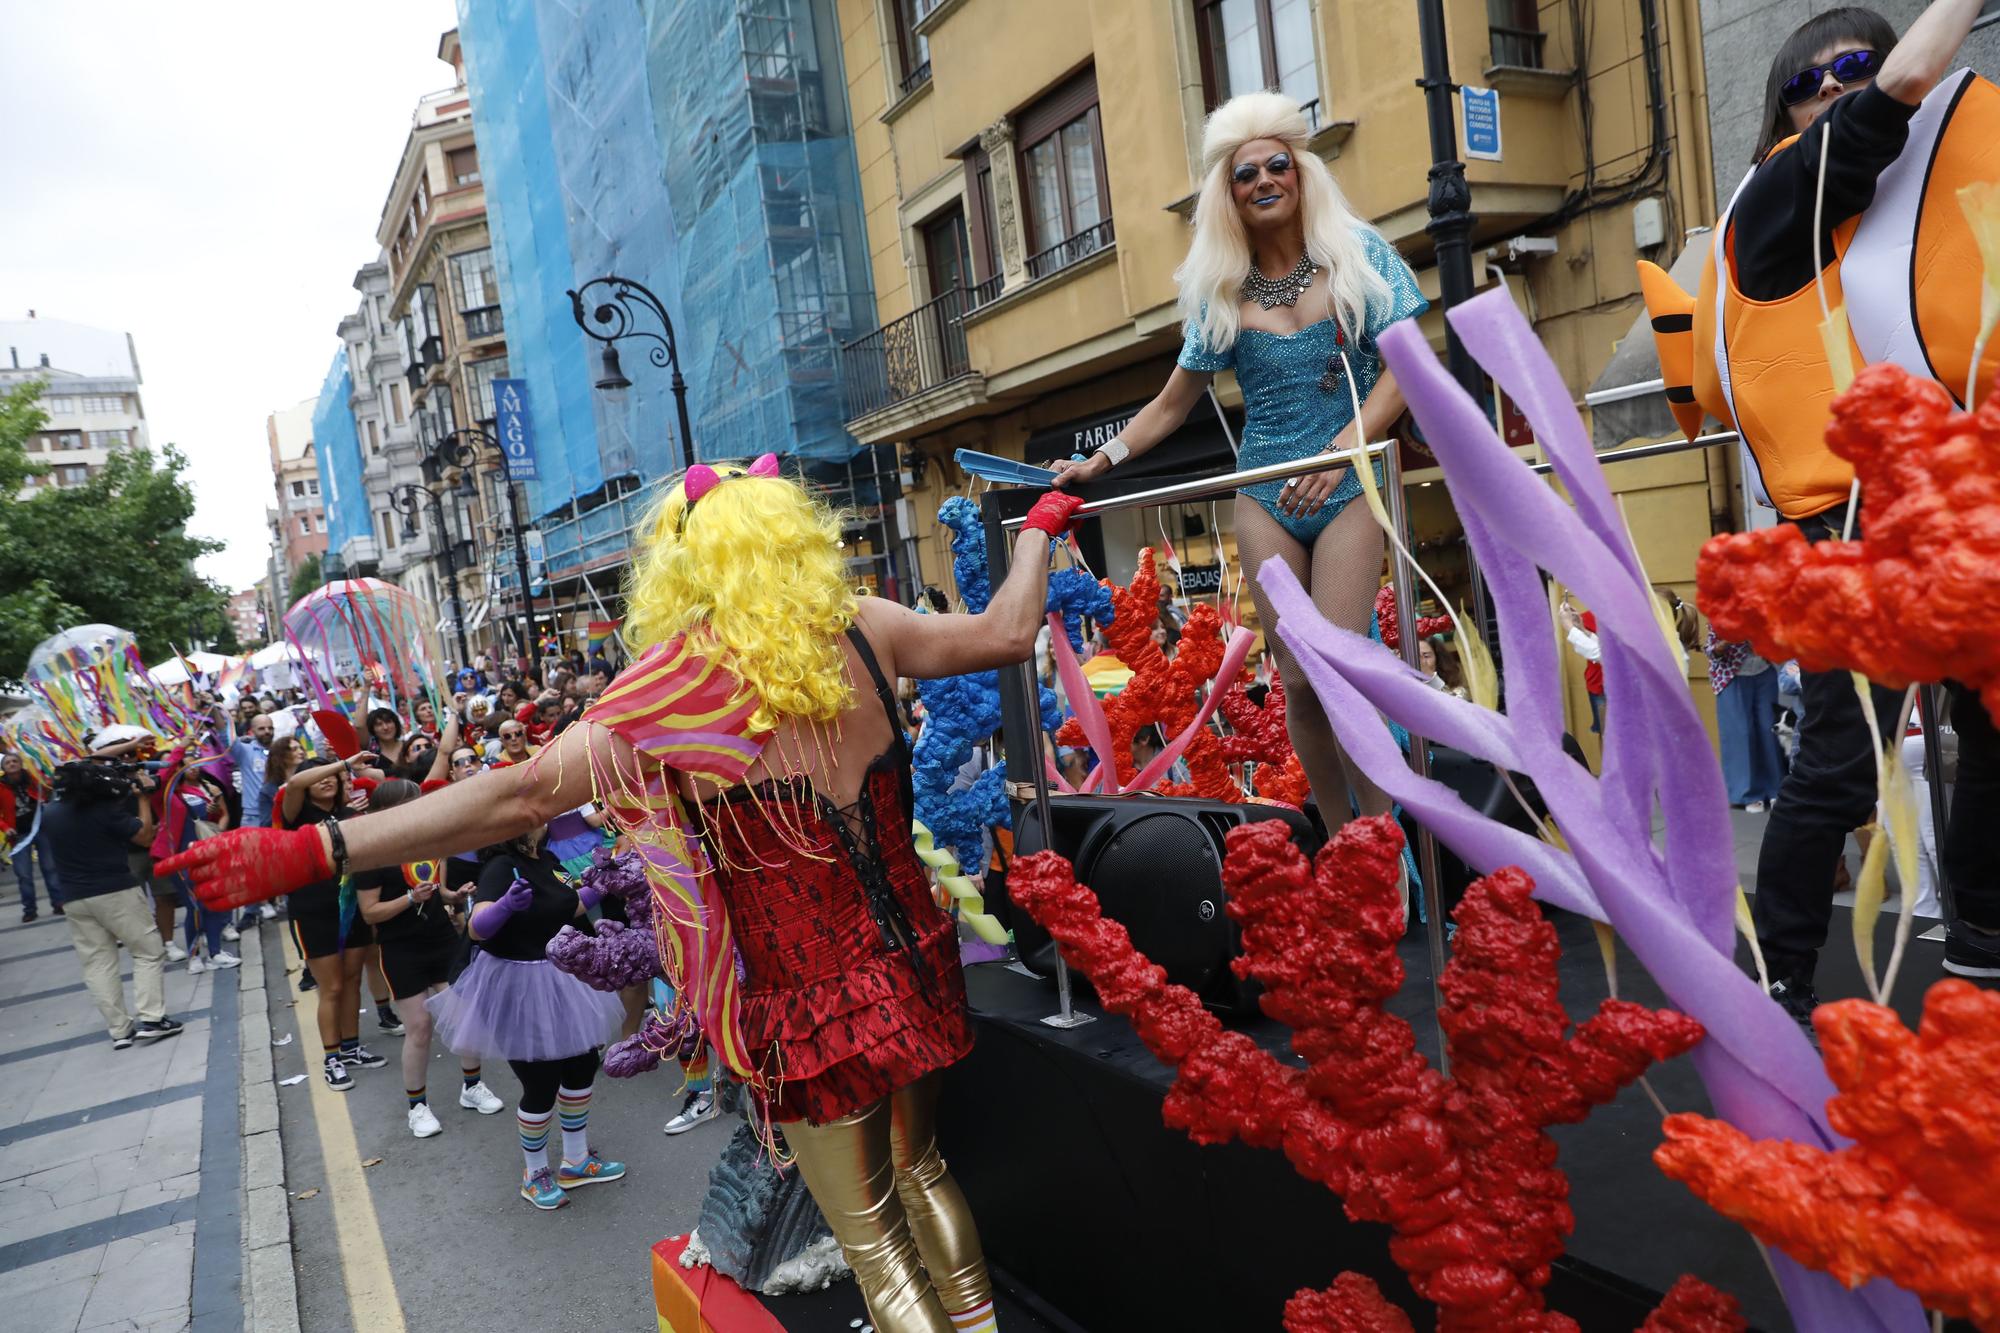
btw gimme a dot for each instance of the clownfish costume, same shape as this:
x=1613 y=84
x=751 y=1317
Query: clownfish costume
x=1907 y=269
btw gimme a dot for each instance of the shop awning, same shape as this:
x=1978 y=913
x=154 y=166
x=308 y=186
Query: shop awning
x=1200 y=446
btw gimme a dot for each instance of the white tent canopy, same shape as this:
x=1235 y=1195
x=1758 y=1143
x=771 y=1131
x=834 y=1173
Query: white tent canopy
x=174 y=671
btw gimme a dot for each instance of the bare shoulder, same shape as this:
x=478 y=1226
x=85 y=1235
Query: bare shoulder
x=881 y=621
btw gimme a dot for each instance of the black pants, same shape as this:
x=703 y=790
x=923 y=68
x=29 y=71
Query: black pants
x=541 y=1078
x=1970 y=849
x=1829 y=792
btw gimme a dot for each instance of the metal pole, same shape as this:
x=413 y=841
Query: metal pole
x=680 y=389
x=1404 y=581
x=451 y=579
x=521 y=568
x=1927 y=710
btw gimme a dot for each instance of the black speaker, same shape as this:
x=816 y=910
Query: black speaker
x=1480 y=786
x=1155 y=863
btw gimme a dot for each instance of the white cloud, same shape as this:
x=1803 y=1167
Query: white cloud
x=208 y=177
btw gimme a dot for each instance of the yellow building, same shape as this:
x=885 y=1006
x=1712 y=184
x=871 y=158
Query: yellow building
x=1028 y=170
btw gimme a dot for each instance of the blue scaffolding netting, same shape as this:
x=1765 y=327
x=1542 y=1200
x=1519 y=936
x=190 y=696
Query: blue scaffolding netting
x=337 y=453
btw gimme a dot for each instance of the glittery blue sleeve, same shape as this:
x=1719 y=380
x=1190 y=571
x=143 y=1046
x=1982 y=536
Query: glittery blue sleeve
x=1197 y=355
x=1406 y=299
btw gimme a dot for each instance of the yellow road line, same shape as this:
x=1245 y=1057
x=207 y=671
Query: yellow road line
x=372 y=1302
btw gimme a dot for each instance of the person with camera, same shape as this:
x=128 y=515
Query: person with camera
x=102 y=807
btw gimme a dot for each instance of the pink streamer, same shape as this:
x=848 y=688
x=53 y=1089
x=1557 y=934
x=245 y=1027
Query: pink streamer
x=1089 y=713
x=1233 y=658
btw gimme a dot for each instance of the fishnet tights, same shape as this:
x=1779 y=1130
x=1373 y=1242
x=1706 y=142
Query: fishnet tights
x=1341 y=571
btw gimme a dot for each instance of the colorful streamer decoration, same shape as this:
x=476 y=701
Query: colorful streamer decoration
x=360 y=636
x=955 y=888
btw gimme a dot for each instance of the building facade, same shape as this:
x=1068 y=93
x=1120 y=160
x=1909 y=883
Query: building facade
x=385 y=436
x=298 y=520
x=90 y=394
x=246 y=616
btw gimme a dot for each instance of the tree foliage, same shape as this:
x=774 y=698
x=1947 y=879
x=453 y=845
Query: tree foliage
x=115 y=549
x=305 y=578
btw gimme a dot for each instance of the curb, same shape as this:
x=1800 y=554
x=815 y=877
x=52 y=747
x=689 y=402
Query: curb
x=270 y=1281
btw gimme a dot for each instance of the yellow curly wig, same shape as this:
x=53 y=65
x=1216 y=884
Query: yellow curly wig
x=753 y=570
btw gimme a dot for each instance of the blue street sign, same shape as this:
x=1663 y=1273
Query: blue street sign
x=1479 y=110
x=510 y=424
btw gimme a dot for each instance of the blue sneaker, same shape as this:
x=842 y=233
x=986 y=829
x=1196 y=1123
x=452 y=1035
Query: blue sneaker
x=592 y=1170
x=540 y=1189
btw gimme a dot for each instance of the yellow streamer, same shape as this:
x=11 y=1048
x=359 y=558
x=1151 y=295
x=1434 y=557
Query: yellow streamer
x=1869 y=891
x=1748 y=926
x=1835 y=338
x=1981 y=202
x=964 y=893
x=1607 y=944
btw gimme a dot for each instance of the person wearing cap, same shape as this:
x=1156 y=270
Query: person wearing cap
x=100 y=811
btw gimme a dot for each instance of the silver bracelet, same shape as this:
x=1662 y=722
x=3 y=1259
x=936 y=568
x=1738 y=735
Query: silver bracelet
x=1116 y=450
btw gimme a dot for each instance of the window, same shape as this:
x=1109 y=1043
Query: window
x=67 y=440
x=396 y=401
x=474 y=271
x=423 y=204
x=1062 y=170
x=946 y=254
x=479 y=377
x=312 y=487
x=72 y=474
x=298 y=490
x=1516 y=31
x=110 y=402
x=985 y=227
x=912 y=47
x=1251 y=44
x=37 y=443
x=305 y=525
x=62 y=406
x=463 y=165
x=374 y=438
x=108 y=439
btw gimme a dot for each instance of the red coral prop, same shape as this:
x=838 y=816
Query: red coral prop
x=1692 y=1306
x=1391 y=627
x=1460 y=1169
x=1916 y=1199
x=1918 y=597
x=1259 y=736
x=1161 y=690
x=1352 y=1304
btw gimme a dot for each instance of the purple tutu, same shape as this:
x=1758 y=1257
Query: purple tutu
x=504 y=1010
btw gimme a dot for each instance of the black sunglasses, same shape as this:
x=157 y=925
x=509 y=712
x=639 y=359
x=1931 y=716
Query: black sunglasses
x=1849 y=67
x=1278 y=164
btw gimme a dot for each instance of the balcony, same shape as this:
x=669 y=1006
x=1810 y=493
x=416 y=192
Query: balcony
x=980 y=293
x=919 y=352
x=1073 y=250
x=1517 y=48
x=483 y=322
x=915 y=79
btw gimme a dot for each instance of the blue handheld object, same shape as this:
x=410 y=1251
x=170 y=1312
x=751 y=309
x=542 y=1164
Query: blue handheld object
x=995 y=468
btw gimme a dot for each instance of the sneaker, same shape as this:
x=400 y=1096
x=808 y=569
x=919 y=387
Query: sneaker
x=176 y=954
x=123 y=1043
x=1754 y=808
x=422 y=1123
x=386 y=1018
x=29 y=915
x=480 y=1098
x=231 y=933
x=698 y=1107
x=336 y=1074
x=195 y=967
x=592 y=1170
x=57 y=909
x=362 y=1056
x=1798 y=1000
x=539 y=1188
x=223 y=958
x=267 y=912
x=306 y=982
x=166 y=1027
x=1971 y=952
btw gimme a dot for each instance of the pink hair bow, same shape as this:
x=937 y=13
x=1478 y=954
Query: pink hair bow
x=701 y=478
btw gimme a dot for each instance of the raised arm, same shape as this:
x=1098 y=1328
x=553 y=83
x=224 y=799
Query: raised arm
x=1149 y=425
x=1925 y=53
x=301 y=782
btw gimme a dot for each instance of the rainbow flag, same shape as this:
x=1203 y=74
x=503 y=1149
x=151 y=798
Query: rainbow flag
x=599 y=633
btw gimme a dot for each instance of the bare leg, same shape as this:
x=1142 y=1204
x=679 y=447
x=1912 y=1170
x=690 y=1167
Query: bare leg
x=416 y=1037
x=1341 y=573
x=351 y=963
x=331 y=994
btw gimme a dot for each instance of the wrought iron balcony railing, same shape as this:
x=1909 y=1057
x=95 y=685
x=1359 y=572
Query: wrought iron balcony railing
x=482 y=322
x=902 y=359
x=1066 y=252
x=1519 y=47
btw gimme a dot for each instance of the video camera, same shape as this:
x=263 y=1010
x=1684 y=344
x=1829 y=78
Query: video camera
x=99 y=779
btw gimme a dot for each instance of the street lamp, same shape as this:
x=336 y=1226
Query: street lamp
x=406 y=500
x=462 y=449
x=613 y=317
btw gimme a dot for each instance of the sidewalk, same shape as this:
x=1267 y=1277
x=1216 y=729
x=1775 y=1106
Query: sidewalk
x=122 y=1173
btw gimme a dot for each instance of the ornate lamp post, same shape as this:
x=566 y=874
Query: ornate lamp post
x=406 y=500
x=462 y=449
x=614 y=316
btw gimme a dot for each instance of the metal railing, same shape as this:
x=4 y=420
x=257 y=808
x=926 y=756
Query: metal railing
x=483 y=321
x=980 y=293
x=1311 y=110
x=1518 y=47
x=915 y=79
x=1076 y=248
x=902 y=359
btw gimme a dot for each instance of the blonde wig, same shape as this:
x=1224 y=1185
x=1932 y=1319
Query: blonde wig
x=1211 y=278
x=753 y=572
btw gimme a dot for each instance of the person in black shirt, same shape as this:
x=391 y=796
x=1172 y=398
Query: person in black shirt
x=408 y=907
x=333 y=942
x=21 y=799
x=99 y=812
x=511 y=1003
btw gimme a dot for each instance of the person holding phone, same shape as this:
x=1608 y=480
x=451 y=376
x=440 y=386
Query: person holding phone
x=333 y=944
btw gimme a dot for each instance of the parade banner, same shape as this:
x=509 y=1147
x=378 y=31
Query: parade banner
x=513 y=429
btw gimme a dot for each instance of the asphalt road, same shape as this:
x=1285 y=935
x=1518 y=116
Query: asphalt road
x=449 y=1237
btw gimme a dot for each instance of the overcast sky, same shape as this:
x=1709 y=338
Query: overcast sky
x=207 y=176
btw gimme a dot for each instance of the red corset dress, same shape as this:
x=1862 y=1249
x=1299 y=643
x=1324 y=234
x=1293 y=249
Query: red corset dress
x=852 y=971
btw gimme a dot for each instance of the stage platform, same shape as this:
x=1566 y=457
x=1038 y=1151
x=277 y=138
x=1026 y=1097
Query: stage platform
x=1084 y=1198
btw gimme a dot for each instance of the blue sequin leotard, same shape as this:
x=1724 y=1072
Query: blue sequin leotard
x=1287 y=415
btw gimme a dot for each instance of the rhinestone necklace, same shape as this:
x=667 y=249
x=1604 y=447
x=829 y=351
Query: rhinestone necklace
x=1268 y=292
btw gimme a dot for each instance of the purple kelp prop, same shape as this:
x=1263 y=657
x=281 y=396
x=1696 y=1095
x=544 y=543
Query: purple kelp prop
x=1674 y=910
x=610 y=960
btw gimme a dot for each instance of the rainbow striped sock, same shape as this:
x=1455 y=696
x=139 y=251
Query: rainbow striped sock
x=471 y=1076
x=573 y=1106
x=697 y=1074
x=535 y=1138
x=419 y=1097
x=979 y=1319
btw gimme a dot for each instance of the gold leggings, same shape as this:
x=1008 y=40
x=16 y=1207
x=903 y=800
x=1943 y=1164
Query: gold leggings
x=897 y=1213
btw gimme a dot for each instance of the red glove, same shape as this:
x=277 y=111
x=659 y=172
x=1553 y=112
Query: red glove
x=249 y=865
x=1054 y=514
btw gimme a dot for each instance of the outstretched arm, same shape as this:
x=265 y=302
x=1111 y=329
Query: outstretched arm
x=1925 y=53
x=1149 y=425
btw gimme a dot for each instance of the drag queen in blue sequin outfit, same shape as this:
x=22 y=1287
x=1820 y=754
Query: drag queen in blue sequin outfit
x=1285 y=286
